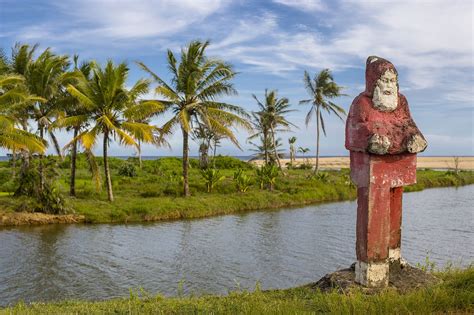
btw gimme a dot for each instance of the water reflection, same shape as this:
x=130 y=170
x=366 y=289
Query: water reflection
x=278 y=248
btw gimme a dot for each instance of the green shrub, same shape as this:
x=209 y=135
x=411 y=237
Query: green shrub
x=229 y=162
x=242 y=181
x=46 y=200
x=267 y=175
x=211 y=177
x=127 y=169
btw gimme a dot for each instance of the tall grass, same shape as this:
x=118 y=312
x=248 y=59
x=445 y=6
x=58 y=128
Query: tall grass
x=454 y=295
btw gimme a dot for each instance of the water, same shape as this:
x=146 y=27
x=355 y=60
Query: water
x=279 y=249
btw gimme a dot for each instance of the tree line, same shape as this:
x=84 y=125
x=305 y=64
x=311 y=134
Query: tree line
x=42 y=92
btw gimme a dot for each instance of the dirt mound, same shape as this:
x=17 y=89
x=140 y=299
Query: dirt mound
x=23 y=218
x=402 y=278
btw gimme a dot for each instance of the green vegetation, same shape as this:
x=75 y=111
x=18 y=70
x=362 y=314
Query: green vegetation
x=155 y=191
x=454 y=295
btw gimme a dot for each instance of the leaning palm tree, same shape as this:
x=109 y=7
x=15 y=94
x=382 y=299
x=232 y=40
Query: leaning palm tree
x=197 y=81
x=12 y=96
x=271 y=119
x=107 y=100
x=322 y=89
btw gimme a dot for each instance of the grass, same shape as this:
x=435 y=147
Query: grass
x=454 y=295
x=155 y=193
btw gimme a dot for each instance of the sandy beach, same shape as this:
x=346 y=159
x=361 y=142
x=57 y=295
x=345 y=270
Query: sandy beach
x=436 y=162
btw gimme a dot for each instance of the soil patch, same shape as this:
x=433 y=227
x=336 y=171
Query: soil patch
x=402 y=278
x=25 y=218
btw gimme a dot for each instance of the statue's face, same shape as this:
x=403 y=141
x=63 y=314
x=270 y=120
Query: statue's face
x=385 y=96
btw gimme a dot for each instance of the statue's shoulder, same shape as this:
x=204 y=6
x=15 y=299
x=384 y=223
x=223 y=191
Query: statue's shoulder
x=402 y=98
x=361 y=103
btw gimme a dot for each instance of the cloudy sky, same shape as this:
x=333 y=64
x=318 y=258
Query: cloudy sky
x=271 y=43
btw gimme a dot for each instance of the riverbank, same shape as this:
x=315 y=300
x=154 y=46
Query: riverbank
x=149 y=203
x=453 y=295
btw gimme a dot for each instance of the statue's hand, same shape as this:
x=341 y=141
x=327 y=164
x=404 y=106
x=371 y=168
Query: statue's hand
x=378 y=144
x=416 y=144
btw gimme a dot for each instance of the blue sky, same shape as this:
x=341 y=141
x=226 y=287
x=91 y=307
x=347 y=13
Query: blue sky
x=271 y=43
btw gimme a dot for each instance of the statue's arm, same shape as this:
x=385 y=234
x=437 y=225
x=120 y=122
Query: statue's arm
x=414 y=139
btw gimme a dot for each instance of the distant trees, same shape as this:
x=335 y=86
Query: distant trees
x=322 y=89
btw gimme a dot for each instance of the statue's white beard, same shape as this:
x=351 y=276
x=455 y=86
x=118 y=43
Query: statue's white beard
x=383 y=102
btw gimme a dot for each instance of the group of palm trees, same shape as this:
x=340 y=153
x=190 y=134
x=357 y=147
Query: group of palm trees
x=41 y=95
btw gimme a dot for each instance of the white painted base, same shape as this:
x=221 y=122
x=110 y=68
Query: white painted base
x=372 y=275
x=394 y=254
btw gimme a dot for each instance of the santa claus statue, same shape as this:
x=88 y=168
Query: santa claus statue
x=383 y=141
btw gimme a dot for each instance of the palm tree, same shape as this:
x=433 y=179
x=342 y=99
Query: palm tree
x=46 y=77
x=322 y=89
x=197 y=81
x=303 y=151
x=292 y=141
x=12 y=95
x=270 y=119
x=109 y=105
x=70 y=106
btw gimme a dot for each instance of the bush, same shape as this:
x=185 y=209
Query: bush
x=211 y=177
x=46 y=199
x=229 y=162
x=267 y=175
x=127 y=169
x=242 y=181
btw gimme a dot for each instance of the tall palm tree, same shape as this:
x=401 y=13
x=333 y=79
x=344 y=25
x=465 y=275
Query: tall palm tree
x=270 y=119
x=322 y=90
x=197 y=81
x=292 y=142
x=46 y=77
x=70 y=106
x=107 y=100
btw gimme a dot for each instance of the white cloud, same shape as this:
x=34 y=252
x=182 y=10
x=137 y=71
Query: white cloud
x=303 y=5
x=95 y=21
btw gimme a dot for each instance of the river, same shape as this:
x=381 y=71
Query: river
x=278 y=249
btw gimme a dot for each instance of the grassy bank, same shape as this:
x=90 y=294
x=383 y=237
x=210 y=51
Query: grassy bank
x=154 y=193
x=454 y=295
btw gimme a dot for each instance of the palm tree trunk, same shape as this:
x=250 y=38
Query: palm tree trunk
x=316 y=169
x=72 y=183
x=40 y=166
x=265 y=147
x=185 y=163
x=108 y=180
x=139 y=154
x=275 y=149
x=13 y=163
x=56 y=145
x=214 y=154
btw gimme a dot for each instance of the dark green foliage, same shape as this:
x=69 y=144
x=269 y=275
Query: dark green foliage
x=229 y=163
x=127 y=169
x=33 y=197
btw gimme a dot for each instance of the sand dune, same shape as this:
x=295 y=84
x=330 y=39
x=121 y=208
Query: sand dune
x=438 y=162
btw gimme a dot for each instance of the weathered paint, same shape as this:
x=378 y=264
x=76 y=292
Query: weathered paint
x=383 y=145
x=372 y=274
